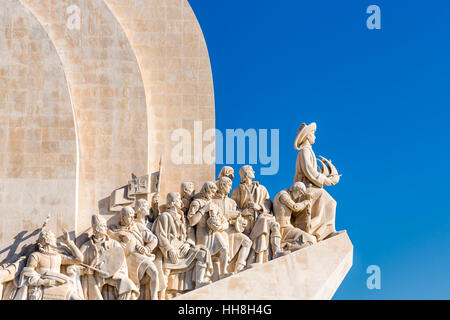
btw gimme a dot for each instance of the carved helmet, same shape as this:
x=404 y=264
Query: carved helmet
x=303 y=132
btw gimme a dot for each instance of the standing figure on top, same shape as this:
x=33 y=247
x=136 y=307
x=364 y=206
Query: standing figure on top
x=323 y=210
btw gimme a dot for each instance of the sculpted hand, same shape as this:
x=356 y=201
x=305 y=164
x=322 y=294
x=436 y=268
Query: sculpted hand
x=255 y=206
x=184 y=249
x=172 y=256
x=48 y=283
x=141 y=249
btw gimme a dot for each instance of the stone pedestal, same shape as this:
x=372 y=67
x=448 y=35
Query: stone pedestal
x=312 y=273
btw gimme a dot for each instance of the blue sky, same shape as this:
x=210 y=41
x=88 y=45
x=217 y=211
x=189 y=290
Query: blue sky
x=381 y=101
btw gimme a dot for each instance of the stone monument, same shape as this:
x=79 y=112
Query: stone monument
x=90 y=94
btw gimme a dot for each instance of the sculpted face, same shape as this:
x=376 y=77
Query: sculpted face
x=177 y=203
x=101 y=229
x=142 y=209
x=250 y=173
x=127 y=217
x=189 y=191
x=226 y=187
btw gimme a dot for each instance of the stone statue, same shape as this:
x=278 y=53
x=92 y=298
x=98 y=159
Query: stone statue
x=323 y=210
x=142 y=213
x=187 y=195
x=254 y=202
x=211 y=226
x=239 y=244
x=10 y=272
x=105 y=276
x=227 y=172
x=138 y=243
x=286 y=206
x=184 y=263
x=42 y=279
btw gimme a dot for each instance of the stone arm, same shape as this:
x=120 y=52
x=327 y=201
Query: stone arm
x=195 y=213
x=33 y=278
x=292 y=205
x=234 y=212
x=308 y=169
x=150 y=240
x=77 y=257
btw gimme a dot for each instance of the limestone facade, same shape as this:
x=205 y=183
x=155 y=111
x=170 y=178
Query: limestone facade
x=101 y=104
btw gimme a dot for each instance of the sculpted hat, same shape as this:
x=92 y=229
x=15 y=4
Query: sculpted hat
x=303 y=132
x=97 y=220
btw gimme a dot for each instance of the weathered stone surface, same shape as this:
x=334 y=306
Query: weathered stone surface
x=38 y=147
x=173 y=58
x=81 y=109
x=314 y=272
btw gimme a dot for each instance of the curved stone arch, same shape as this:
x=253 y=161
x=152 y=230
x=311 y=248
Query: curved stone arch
x=172 y=53
x=108 y=97
x=38 y=138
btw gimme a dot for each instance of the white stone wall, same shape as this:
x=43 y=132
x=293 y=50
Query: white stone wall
x=101 y=103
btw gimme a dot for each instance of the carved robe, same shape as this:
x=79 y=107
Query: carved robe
x=259 y=222
x=93 y=284
x=323 y=211
x=139 y=264
x=212 y=240
x=41 y=268
x=236 y=239
x=171 y=230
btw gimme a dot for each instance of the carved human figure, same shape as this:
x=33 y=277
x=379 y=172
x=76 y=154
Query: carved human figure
x=254 y=202
x=142 y=210
x=184 y=263
x=10 y=272
x=226 y=171
x=211 y=226
x=42 y=279
x=154 y=210
x=239 y=244
x=138 y=243
x=323 y=210
x=287 y=205
x=187 y=195
x=105 y=276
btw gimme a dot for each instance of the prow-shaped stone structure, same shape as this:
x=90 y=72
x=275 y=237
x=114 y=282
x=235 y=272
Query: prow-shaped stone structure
x=312 y=273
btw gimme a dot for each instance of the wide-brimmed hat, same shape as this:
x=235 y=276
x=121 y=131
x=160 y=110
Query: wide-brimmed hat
x=303 y=132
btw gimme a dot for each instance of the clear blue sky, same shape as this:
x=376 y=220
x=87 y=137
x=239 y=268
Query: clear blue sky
x=381 y=100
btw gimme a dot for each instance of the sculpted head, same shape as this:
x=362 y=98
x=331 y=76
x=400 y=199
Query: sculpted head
x=297 y=190
x=174 y=201
x=99 y=226
x=46 y=238
x=227 y=172
x=224 y=184
x=306 y=133
x=142 y=208
x=187 y=190
x=127 y=216
x=247 y=173
x=209 y=189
